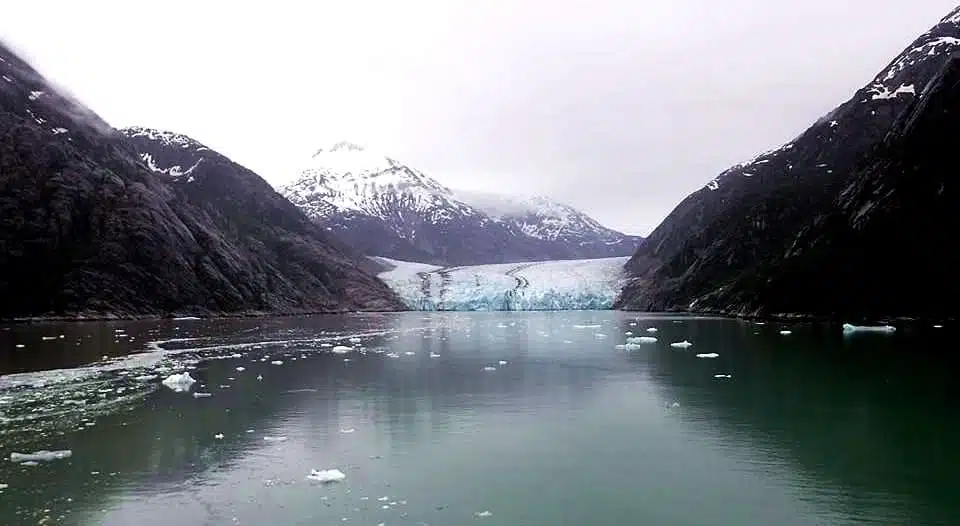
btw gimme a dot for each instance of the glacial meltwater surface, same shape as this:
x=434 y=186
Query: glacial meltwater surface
x=510 y=418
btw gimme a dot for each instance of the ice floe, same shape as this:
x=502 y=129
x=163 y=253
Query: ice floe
x=326 y=475
x=179 y=383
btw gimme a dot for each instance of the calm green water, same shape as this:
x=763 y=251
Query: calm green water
x=811 y=429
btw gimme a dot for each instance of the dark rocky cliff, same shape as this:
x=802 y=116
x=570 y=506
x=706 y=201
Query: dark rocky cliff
x=87 y=229
x=837 y=223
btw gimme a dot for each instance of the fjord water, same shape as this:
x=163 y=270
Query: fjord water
x=812 y=428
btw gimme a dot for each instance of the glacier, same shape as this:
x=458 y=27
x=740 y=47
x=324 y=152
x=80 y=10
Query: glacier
x=580 y=284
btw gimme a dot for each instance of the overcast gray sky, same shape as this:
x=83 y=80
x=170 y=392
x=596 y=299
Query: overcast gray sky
x=619 y=107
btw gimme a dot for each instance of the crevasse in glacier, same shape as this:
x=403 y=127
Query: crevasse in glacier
x=542 y=285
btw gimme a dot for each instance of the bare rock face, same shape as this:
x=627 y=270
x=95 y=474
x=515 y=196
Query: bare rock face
x=88 y=228
x=844 y=221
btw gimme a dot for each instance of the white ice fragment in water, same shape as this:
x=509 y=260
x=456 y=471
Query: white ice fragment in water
x=41 y=456
x=348 y=430
x=218 y=436
x=410 y=353
x=434 y=355
x=502 y=362
x=484 y=513
x=848 y=328
x=489 y=368
x=20 y=346
x=277 y=362
x=341 y=349
x=241 y=369
x=628 y=333
x=179 y=383
x=145 y=378
x=708 y=355
x=597 y=326
x=48 y=338
x=259 y=377
x=186 y=318
x=274 y=439
x=723 y=376
x=681 y=345
x=652 y=329
x=4 y=486
x=641 y=339
x=620 y=347
x=201 y=395
x=786 y=332
x=354 y=340
x=393 y=355
x=325 y=344
x=326 y=475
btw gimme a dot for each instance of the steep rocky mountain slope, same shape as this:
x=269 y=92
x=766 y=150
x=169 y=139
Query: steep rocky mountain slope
x=840 y=222
x=88 y=229
x=385 y=208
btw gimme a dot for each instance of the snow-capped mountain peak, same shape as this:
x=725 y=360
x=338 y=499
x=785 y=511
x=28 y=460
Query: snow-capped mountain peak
x=386 y=208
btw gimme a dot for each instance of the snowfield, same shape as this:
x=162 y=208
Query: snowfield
x=542 y=285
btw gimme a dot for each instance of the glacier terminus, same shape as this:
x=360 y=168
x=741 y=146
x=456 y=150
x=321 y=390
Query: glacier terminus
x=579 y=284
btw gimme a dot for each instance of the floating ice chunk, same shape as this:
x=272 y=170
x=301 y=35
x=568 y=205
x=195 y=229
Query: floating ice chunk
x=786 y=332
x=4 y=486
x=938 y=326
x=708 y=355
x=274 y=439
x=848 y=328
x=179 y=383
x=600 y=335
x=484 y=513
x=502 y=362
x=392 y=355
x=277 y=362
x=681 y=345
x=201 y=395
x=218 y=436
x=652 y=329
x=628 y=333
x=723 y=376
x=259 y=377
x=641 y=339
x=41 y=456
x=434 y=355
x=620 y=347
x=241 y=369
x=348 y=430
x=595 y=326
x=341 y=349
x=354 y=340
x=326 y=475
x=489 y=368
x=186 y=318
x=20 y=346
x=410 y=353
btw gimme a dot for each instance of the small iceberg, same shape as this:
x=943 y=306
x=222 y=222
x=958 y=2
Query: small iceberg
x=277 y=362
x=723 y=376
x=202 y=395
x=652 y=329
x=484 y=513
x=594 y=326
x=341 y=349
x=886 y=329
x=41 y=456
x=186 y=318
x=502 y=362
x=641 y=339
x=681 y=345
x=489 y=368
x=274 y=439
x=786 y=333
x=326 y=475
x=708 y=355
x=179 y=383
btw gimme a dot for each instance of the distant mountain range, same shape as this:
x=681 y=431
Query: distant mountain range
x=847 y=220
x=385 y=208
x=101 y=223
